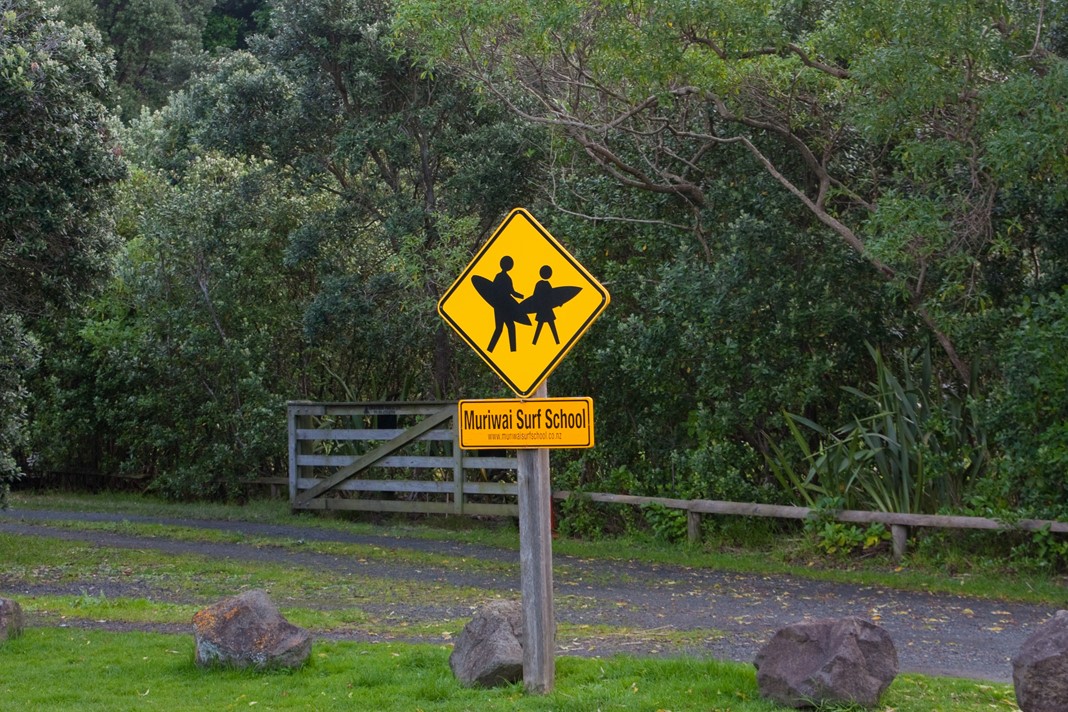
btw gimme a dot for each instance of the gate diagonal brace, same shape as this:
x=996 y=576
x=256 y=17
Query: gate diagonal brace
x=381 y=452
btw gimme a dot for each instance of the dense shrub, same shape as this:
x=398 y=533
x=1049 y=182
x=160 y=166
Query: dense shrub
x=1029 y=410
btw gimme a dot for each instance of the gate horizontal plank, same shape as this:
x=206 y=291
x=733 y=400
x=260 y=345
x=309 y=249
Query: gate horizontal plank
x=500 y=488
x=367 y=434
x=391 y=461
x=423 y=486
x=470 y=463
x=490 y=463
x=321 y=409
x=492 y=510
x=386 y=505
x=448 y=487
x=376 y=505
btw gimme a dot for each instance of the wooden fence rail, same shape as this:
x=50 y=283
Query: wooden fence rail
x=327 y=470
x=899 y=523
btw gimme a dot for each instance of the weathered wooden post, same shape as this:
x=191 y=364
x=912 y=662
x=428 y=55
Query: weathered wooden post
x=536 y=567
x=899 y=535
x=693 y=526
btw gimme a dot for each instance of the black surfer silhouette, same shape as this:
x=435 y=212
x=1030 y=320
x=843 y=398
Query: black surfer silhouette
x=508 y=310
x=544 y=301
x=501 y=295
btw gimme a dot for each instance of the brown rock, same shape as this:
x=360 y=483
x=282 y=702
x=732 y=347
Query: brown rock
x=1040 y=668
x=11 y=619
x=813 y=663
x=489 y=650
x=248 y=631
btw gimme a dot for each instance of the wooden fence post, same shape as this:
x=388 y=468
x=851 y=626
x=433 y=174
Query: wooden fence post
x=693 y=526
x=457 y=470
x=899 y=536
x=295 y=421
x=536 y=567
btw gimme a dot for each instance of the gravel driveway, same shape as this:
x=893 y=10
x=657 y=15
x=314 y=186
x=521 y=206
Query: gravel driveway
x=935 y=634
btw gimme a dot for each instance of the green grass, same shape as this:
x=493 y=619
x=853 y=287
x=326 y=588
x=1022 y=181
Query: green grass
x=502 y=532
x=57 y=610
x=310 y=597
x=192 y=577
x=260 y=510
x=407 y=557
x=63 y=669
x=59 y=668
x=981 y=576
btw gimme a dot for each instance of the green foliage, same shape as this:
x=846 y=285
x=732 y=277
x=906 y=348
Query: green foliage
x=154 y=42
x=58 y=169
x=298 y=210
x=1045 y=549
x=58 y=160
x=1029 y=411
x=667 y=524
x=415 y=170
x=915 y=449
x=20 y=355
x=582 y=518
x=908 y=131
x=231 y=23
x=185 y=362
x=836 y=538
x=813 y=176
x=698 y=352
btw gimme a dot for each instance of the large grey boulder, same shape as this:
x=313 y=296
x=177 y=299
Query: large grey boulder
x=1040 y=668
x=489 y=650
x=11 y=620
x=248 y=631
x=813 y=663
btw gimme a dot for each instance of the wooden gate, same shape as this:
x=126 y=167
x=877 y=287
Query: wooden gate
x=392 y=457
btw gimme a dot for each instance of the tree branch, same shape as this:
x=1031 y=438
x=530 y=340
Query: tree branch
x=691 y=36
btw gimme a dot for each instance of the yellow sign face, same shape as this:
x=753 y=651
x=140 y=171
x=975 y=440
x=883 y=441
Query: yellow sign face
x=523 y=302
x=526 y=424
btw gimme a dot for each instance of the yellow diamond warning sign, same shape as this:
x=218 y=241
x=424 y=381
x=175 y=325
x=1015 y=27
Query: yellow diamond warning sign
x=523 y=302
x=526 y=424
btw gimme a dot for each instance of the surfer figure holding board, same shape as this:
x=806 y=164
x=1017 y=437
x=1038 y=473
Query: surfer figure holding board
x=544 y=300
x=501 y=295
x=508 y=311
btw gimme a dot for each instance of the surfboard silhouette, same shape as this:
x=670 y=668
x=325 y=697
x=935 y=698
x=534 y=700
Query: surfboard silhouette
x=493 y=296
x=547 y=299
x=543 y=302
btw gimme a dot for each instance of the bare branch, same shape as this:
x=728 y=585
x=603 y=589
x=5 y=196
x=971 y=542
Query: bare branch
x=619 y=218
x=692 y=37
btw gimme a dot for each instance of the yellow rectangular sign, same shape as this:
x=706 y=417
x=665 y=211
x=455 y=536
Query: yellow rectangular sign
x=526 y=424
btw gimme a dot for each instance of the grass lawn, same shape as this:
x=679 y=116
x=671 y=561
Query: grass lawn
x=70 y=669
x=57 y=665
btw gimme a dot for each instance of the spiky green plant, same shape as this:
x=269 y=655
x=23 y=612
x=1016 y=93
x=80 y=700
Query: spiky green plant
x=913 y=450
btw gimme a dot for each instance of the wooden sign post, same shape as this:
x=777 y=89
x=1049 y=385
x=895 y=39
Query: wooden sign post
x=536 y=567
x=523 y=276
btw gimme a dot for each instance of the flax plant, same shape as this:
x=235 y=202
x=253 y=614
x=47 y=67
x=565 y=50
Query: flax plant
x=913 y=449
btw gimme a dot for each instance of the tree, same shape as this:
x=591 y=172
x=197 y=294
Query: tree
x=882 y=120
x=697 y=356
x=421 y=169
x=231 y=22
x=58 y=161
x=155 y=43
x=294 y=215
x=181 y=368
x=58 y=169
